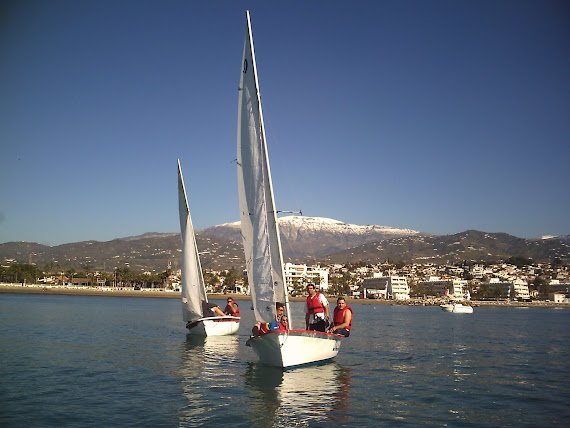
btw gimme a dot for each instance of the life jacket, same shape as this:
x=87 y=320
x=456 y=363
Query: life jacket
x=314 y=304
x=228 y=309
x=266 y=327
x=338 y=317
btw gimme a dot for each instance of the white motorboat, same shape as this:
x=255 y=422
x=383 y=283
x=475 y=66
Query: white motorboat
x=260 y=233
x=457 y=308
x=193 y=290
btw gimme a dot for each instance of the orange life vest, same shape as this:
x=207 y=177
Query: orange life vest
x=338 y=317
x=229 y=309
x=314 y=304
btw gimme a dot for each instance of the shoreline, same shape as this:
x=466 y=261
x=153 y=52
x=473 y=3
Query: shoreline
x=162 y=294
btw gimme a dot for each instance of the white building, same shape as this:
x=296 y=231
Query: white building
x=517 y=289
x=300 y=275
x=388 y=287
x=453 y=288
x=559 y=297
x=375 y=287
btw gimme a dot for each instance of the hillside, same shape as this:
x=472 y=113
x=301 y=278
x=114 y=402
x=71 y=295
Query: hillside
x=149 y=252
x=305 y=240
x=468 y=245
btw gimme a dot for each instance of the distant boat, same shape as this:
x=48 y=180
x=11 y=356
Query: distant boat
x=193 y=290
x=456 y=307
x=260 y=234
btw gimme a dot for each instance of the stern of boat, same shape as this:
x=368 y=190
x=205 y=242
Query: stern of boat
x=215 y=326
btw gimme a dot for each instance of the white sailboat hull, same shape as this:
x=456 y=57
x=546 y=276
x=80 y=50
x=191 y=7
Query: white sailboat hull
x=214 y=326
x=295 y=347
x=458 y=308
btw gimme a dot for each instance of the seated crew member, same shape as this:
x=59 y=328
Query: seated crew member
x=281 y=317
x=211 y=310
x=232 y=308
x=342 y=318
x=280 y=323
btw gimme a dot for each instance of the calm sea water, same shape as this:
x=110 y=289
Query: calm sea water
x=106 y=361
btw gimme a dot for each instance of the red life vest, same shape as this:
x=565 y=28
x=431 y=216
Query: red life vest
x=314 y=304
x=338 y=317
x=229 y=311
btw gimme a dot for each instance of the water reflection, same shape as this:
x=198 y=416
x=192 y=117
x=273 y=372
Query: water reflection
x=205 y=364
x=301 y=396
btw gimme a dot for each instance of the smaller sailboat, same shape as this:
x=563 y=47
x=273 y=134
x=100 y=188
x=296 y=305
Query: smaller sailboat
x=193 y=290
x=260 y=235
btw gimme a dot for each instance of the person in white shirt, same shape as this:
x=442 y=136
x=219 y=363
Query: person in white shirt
x=316 y=310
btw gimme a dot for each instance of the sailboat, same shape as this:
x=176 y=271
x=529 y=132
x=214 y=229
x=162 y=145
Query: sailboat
x=193 y=290
x=260 y=234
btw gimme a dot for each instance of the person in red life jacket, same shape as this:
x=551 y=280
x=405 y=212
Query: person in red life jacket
x=280 y=323
x=316 y=310
x=342 y=318
x=281 y=317
x=232 y=308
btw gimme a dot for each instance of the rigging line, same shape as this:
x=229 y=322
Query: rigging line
x=271 y=136
x=285 y=164
x=290 y=212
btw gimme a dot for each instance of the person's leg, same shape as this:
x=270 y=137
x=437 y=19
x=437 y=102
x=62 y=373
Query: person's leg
x=320 y=326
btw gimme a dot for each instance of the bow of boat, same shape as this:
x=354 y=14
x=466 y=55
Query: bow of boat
x=295 y=348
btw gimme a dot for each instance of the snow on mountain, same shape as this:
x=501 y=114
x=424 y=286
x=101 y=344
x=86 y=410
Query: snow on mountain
x=335 y=226
x=563 y=238
x=316 y=236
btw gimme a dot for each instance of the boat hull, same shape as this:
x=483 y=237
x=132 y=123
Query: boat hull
x=457 y=309
x=295 y=348
x=214 y=326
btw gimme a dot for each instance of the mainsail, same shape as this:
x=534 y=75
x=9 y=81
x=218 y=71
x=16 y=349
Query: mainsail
x=193 y=290
x=260 y=232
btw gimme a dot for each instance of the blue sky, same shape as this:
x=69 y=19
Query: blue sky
x=439 y=116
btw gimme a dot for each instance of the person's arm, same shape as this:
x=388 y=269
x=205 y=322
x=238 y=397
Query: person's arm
x=307 y=321
x=325 y=303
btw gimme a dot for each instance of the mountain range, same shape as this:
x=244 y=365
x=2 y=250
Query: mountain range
x=304 y=239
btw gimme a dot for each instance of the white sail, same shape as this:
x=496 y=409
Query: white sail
x=260 y=232
x=193 y=290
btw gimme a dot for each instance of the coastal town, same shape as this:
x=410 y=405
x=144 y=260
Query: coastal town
x=516 y=279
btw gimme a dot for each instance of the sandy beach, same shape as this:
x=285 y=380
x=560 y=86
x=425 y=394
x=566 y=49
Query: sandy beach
x=153 y=293
x=162 y=294
x=126 y=292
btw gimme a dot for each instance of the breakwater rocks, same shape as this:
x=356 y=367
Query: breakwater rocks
x=475 y=303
